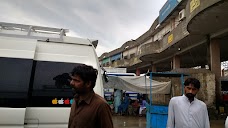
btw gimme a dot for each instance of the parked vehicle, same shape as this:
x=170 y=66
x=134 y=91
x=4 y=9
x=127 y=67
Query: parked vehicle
x=35 y=63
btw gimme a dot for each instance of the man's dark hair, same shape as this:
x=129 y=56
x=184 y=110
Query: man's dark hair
x=192 y=81
x=86 y=73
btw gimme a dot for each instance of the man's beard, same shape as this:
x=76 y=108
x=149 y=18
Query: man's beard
x=77 y=92
x=190 y=96
x=74 y=92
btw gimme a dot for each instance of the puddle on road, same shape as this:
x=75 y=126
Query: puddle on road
x=129 y=122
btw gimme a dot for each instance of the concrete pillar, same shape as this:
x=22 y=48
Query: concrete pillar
x=137 y=72
x=154 y=68
x=223 y=72
x=176 y=62
x=216 y=65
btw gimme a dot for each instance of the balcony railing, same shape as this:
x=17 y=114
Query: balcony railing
x=126 y=62
x=169 y=39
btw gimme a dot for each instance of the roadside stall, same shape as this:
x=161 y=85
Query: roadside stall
x=134 y=86
x=157 y=115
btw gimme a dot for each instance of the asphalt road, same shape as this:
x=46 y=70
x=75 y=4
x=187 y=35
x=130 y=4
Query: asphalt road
x=140 y=122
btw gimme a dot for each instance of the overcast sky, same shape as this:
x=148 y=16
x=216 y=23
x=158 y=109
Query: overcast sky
x=112 y=22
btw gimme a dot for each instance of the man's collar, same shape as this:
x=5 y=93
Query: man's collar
x=185 y=97
x=87 y=98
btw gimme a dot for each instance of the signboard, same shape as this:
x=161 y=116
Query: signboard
x=167 y=9
x=194 y=4
x=105 y=60
x=115 y=70
x=170 y=38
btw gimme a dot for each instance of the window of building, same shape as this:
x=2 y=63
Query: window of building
x=132 y=55
x=125 y=57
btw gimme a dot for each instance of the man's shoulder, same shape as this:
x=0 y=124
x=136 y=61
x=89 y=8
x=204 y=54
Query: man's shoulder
x=176 y=98
x=100 y=102
x=99 y=99
x=201 y=103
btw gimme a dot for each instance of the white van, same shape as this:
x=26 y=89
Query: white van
x=34 y=72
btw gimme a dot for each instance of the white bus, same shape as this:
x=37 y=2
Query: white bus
x=34 y=75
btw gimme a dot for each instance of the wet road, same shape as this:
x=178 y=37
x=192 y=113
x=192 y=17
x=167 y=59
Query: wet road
x=129 y=122
x=140 y=122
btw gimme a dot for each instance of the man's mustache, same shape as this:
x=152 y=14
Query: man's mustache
x=190 y=95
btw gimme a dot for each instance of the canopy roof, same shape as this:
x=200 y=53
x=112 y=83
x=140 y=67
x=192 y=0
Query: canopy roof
x=140 y=84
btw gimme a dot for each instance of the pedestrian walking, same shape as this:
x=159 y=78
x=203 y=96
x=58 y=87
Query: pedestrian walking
x=117 y=99
x=186 y=111
x=88 y=110
x=122 y=109
x=142 y=106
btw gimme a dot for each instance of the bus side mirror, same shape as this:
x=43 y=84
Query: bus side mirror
x=105 y=77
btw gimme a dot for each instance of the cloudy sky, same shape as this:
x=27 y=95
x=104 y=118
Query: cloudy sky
x=112 y=22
